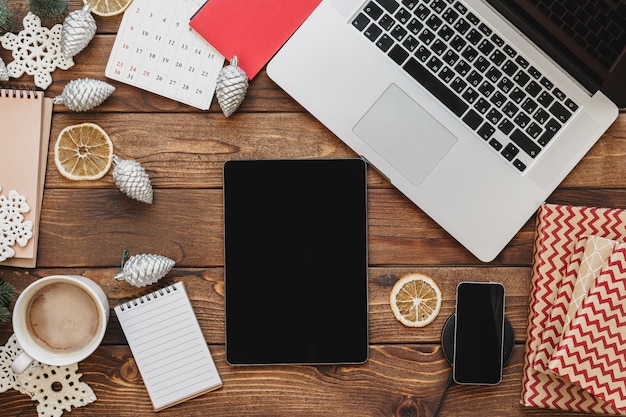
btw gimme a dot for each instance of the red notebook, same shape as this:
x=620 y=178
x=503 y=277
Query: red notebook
x=252 y=30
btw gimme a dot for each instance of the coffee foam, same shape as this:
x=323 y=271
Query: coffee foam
x=63 y=317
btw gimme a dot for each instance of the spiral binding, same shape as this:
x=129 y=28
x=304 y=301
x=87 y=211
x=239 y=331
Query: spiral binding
x=148 y=296
x=20 y=91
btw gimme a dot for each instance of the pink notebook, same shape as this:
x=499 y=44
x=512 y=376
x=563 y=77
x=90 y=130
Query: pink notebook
x=253 y=30
x=25 y=116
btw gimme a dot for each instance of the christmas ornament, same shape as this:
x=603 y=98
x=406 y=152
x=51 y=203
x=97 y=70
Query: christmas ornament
x=231 y=88
x=132 y=179
x=36 y=51
x=144 y=269
x=48 y=9
x=79 y=28
x=54 y=388
x=13 y=228
x=4 y=72
x=84 y=94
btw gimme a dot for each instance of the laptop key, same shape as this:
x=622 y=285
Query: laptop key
x=398 y=54
x=386 y=22
x=519 y=165
x=389 y=5
x=486 y=131
x=495 y=144
x=472 y=119
x=510 y=151
x=384 y=42
x=560 y=112
x=506 y=126
x=435 y=87
x=551 y=128
x=372 y=10
x=361 y=22
x=373 y=32
x=525 y=143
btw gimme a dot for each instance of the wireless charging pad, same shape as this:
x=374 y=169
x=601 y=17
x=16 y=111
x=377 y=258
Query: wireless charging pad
x=447 y=339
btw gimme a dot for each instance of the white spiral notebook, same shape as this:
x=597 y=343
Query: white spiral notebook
x=168 y=345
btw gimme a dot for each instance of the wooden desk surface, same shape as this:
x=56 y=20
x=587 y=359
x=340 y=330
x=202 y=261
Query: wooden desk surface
x=85 y=226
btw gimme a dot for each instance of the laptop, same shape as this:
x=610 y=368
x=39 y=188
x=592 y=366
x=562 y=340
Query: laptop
x=474 y=109
x=295 y=249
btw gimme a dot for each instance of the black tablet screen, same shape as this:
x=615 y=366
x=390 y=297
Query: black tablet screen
x=295 y=261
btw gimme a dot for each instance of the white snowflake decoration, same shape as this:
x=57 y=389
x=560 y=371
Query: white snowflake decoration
x=13 y=228
x=36 y=51
x=55 y=388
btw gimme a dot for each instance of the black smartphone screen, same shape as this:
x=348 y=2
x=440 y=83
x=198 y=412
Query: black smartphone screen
x=479 y=333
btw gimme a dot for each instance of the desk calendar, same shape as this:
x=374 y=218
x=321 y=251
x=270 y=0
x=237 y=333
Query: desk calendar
x=156 y=50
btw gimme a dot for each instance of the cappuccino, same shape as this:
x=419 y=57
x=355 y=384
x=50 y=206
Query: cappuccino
x=63 y=318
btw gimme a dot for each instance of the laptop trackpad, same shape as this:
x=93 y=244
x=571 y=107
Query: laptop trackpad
x=404 y=134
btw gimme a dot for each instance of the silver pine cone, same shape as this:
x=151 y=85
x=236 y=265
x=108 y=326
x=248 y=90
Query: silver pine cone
x=132 y=179
x=84 y=94
x=4 y=72
x=144 y=269
x=78 y=30
x=231 y=87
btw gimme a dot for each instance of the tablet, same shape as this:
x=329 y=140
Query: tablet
x=295 y=239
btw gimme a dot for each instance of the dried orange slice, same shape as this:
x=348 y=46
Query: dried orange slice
x=83 y=152
x=107 y=7
x=415 y=300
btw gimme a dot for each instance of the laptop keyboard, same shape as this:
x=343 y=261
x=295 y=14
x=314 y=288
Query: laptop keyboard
x=599 y=26
x=485 y=82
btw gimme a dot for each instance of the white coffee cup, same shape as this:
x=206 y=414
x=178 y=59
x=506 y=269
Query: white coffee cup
x=59 y=320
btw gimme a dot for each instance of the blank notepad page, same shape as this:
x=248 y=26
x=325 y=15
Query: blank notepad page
x=168 y=345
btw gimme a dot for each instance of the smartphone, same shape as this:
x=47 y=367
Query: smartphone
x=478 y=333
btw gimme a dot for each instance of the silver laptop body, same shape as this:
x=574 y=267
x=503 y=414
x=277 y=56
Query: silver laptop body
x=422 y=147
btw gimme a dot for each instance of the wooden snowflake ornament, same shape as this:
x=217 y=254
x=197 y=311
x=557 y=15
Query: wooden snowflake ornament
x=13 y=228
x=36 y=51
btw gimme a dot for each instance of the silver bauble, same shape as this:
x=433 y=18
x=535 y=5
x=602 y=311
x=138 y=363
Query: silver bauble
x=84 y=94
x=4 y=72
x=144 y=269
x=231 y=87
x=78 y=30
x=132 y=179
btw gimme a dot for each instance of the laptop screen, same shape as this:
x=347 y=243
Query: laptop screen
x=586 y=37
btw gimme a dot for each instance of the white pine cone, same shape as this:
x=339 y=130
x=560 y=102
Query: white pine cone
x=132 y=179
x=145 y=269
x=84 y=94
x=4 y=72
x=78 y=30
x=231 y=87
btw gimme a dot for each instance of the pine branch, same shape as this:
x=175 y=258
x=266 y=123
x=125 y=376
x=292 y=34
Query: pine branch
x=4 y=315
x=49 y=9
x=7 y=292
x=6 y=17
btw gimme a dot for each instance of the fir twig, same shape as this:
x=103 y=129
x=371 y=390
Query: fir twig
x=49 y=9
x=6 y=17
x=7 y=292
x=4 y=315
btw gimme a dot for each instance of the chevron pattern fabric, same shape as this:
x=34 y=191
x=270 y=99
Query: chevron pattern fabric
x=590 y=255
x=592 y=353
x=560 y=230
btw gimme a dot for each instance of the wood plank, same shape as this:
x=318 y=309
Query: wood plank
x=187 y=227
x=206 y=291
x=191 y=155
x=404 y=380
